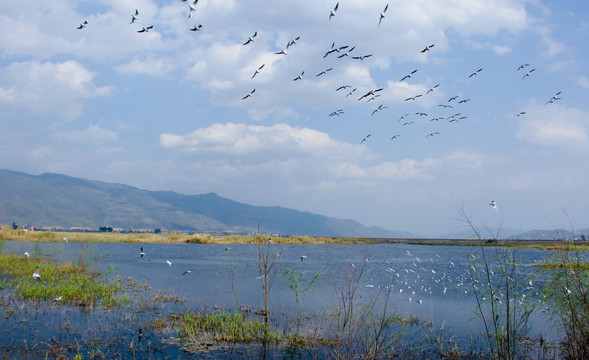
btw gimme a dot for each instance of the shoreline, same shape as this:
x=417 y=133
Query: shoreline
x=7 y=234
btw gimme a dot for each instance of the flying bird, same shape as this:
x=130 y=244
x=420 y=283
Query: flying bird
x=187 y=271
x=409 y=75
x=522 y=66
x=432 y=134
x=361 y=57
x=249 y=94
x=554 y=98
x=337 y=112
x=282 y=52
x=475 y=73
x=427 y=48
x=464 y=101
x=82 y=25
x=382 y=16
x=300 y=77
x=141 y=253
x=347 y=53
x=196 y=28
x=343 y=87
x=145 y=29
x=520 y=113
x=251 y=38
x=293 y=42
x=134 y=17
x=453 y=98
x=36 y=275
x=258 y=70
x=528 y=73
x=332 y=12
x=303 y=257
x=379 y=108
x=395 y=136
x=432 y=89
x=365 y=138
x=324 y=72
x=494 y=205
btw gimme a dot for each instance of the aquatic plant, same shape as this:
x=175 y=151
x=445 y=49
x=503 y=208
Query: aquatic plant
x=502 y=301
x=299 y=284
x=567 y=297
x=62 y=283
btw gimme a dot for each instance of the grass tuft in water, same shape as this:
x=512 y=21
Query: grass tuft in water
x=64 y=283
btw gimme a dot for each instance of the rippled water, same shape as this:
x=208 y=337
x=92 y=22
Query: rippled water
x=431 y=282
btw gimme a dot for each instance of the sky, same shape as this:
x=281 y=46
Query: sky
x=165 y=109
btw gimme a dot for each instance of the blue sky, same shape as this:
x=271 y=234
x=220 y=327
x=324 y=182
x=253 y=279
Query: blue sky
x=163 y=110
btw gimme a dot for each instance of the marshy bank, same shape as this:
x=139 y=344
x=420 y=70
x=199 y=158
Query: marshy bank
x=272 y=300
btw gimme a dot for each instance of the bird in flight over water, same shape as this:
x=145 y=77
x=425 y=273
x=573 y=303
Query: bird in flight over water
x=36 y=275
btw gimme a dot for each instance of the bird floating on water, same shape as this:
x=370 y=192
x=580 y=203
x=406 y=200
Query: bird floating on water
x=169 y=262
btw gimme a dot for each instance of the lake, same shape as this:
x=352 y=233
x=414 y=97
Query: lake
x=431 y=282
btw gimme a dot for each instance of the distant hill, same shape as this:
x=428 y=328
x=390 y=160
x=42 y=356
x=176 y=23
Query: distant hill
x=60 y=201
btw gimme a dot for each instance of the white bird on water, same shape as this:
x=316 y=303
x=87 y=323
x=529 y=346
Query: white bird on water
x=27 y=254
x=169 y=262
x=36 y=274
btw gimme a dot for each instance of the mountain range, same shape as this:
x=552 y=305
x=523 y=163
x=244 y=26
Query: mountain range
x=61 y=202
x=55 y=201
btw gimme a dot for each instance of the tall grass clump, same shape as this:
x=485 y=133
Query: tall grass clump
x=567 y=297
x=64 y=283
x=194 y=329
x=502 y=296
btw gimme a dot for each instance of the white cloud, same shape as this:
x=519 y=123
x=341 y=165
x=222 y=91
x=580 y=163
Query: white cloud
x=583 y=81
x=555 y=126
x=48 y=88
x=243 y=139
x=94 y=134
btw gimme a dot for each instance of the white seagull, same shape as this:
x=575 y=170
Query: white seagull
x=332 y=12
x=141 y=253
x=494 y=206
x=169 y=262
x=36 y=274
x=251 y=38
x=382 y=14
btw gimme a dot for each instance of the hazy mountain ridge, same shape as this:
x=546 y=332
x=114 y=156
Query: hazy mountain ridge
x=55 y=200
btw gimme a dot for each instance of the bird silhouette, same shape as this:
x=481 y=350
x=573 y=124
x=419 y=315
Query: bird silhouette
x=251 y=38
x=82 y=25
x=427 y=48
x=249 y=94
x=332 y=12
x=145 y=29
x=382 y=16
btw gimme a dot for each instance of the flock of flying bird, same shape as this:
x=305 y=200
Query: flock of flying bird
x=345 y=51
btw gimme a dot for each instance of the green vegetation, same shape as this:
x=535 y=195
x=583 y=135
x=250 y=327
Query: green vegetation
x=64 y=283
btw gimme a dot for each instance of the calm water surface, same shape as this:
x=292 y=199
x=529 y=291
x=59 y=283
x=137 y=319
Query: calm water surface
x=432 y=282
